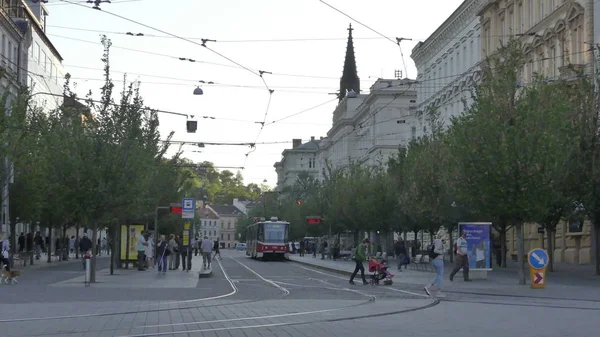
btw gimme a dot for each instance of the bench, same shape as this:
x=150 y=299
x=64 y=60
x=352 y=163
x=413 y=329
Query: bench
x=58 y=254
x=23 y=257
x=345 y=255
x=420 y=262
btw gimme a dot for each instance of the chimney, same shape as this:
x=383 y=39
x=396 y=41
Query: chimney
x=312 y=138
x=296 y=143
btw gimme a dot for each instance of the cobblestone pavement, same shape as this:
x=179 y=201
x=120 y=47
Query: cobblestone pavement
x=258 y=299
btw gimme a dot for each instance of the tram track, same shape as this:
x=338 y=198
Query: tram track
x=322 y=315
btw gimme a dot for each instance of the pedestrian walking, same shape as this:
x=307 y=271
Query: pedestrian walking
x=5 y=255
x=436 y=255
x=401 y=255
x=216 y=249
x=162 y=252
x=462 y=258
x=85 y=245
x=206 y=248
x=359 y=257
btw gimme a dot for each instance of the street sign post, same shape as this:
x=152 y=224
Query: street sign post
x=187 y=234
x=538 y=262
x=188 y=208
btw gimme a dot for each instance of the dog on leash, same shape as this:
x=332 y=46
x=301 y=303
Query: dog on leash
x=10 y=276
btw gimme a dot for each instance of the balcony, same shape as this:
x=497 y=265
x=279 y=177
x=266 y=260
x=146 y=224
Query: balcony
x=13 y=8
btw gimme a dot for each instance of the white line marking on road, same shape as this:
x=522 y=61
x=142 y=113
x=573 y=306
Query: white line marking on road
x=231 y=283
x=344 y=278
x=372 y=297
x=245 y=318
x=285 y=291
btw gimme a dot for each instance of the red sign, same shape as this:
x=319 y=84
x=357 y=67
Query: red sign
x=539 y=278
x=176 y=209
x=313 y=220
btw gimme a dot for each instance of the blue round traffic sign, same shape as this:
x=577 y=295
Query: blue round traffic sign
x=538 y=258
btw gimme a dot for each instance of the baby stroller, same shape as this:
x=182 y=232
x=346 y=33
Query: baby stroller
x=380 y=272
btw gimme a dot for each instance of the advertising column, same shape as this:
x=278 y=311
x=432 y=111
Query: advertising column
x=479 y=251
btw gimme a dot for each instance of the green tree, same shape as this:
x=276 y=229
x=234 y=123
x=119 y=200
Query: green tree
x=585 y=157
x=506 y=146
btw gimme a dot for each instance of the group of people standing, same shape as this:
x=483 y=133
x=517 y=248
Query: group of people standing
x=172 y=253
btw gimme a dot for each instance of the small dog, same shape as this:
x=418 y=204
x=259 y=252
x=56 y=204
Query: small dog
x=10 y=276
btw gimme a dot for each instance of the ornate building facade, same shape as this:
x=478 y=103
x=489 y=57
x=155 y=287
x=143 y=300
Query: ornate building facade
x=558 y=36
x=366 y=127
x=555 y=33
x=448 y=62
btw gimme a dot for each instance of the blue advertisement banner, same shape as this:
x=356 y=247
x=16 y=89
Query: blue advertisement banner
x=478 y=235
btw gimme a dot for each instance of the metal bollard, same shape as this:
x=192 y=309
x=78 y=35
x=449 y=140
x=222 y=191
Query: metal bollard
x=88 y=269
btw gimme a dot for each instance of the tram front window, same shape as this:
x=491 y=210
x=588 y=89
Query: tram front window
x=275 y=233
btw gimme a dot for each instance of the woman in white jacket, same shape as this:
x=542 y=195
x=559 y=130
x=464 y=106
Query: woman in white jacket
x=150 y=252
x=4 y=252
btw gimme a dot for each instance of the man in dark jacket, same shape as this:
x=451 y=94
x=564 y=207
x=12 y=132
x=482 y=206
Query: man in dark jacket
x=400 y=250
x=85 y=245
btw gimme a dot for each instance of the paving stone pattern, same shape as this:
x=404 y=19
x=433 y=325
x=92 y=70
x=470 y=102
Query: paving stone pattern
x=312 y=303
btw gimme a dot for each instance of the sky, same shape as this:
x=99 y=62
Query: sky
x=301 y=43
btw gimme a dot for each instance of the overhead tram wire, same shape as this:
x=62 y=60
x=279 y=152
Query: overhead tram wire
x=299 y=39
x=54 y=4
x=260 y=73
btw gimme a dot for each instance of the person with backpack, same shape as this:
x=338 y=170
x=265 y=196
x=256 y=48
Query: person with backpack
x=436 y=255
x=462 y=258
x=360 y=255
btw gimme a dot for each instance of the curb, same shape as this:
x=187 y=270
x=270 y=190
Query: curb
x=204 y=274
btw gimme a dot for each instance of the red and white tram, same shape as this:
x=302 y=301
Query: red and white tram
x=268 y=239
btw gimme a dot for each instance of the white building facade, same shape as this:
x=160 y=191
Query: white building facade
x=366 y=127
x=29 y=59
x=44 y=63
x=208 y=224
x=300 y=158
x=371 y=127
x=12 y=56
x=447 y=63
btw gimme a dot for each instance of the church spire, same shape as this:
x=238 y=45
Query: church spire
x=350 y=80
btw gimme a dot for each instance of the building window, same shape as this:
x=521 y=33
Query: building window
x=228 y=224
x=36 y=51
x=413 y=132
x=228 y=237
x=552 y=61
x=43 y=60
x=3 y=47
x=205 y=232
x=312 y=163
x=222 y=237
x=10 y=56
x=542 y=13
x=222 y=224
